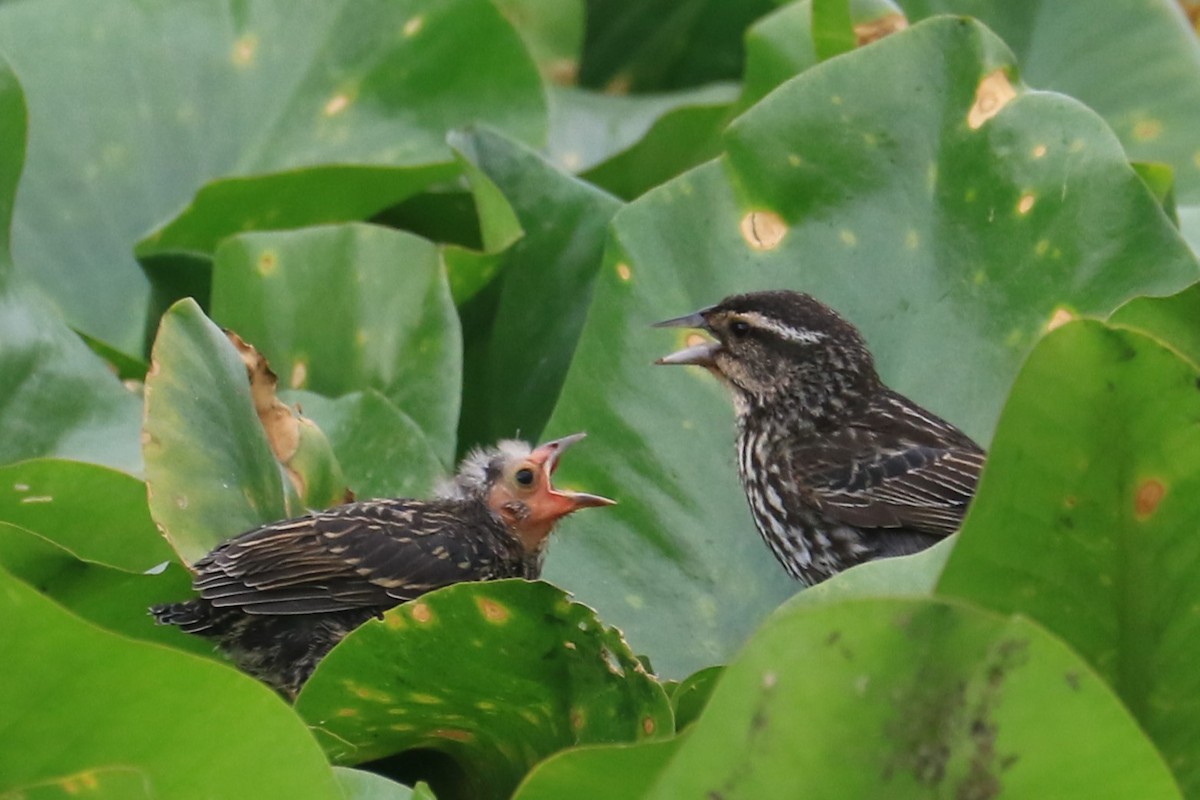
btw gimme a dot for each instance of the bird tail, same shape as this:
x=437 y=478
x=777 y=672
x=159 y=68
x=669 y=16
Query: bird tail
x=191 y=616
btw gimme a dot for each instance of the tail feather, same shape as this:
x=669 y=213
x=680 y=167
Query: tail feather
x=191 y=616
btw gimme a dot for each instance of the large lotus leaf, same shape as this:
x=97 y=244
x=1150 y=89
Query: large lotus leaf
x=381 y=450
x=598 y=772
x=95 y=512
x=311 y=111
x=102 y=783
x=653 y=45
x=912 y=699
x=209 y=468
x=114 y=599
x=516 y=371
x=1135 y=62
x=924 y=239
x=348 y=307
x=496 y=675
x=1086 y=520
x=1173 y=319
x=75 y=696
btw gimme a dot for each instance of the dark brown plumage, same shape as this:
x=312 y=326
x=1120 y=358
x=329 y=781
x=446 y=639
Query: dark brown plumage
x=838 y=468
x=279 y=597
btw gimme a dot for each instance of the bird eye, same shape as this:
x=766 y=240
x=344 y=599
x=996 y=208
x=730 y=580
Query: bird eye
x=525 y=476
x=739 y=327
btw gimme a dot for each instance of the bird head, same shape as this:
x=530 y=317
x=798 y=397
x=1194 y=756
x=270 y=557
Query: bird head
x=514 y=480
x=779 y=346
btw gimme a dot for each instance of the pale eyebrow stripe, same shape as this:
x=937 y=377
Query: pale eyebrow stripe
x=783 y=331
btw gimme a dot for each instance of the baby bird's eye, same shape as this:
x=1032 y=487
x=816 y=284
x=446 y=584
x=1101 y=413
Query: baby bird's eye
x=524 y=476
x=739 y=327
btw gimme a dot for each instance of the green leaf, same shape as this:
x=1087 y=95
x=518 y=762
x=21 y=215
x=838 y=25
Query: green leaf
x=598 y=772
x=95 y=512
x=589 y=128
x=691 y=696
x=1085 y=517
x=782 y=44
x=57 y=398
x=101 y=783
x=1170 y=319
x=652 y=45
x=911 y=698
x=346 y=308
x=496 y=675
x=247 y=115
x=1136 y=63
x=111 y=598
x=833 y=28
x=894 y=211
x=75 y=696
x=382 y=451
x=914 y=575
x=13 y=121
x=553 y=32
x=359 y=785
x=516 y=368
x=209 y=468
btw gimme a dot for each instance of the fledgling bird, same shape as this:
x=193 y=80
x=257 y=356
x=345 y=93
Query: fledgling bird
x=277 y=598
x=838 y=468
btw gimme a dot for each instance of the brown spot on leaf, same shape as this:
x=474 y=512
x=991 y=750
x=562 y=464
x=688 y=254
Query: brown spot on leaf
x=623 y=271
x=648 y=725
x=876 y=29
x=279 y=422
x=1149 y=494
x=454 y=734
x=1060 y=317
x=421 y=613
x=995 y=91
x=492 y=611
x=763 y=230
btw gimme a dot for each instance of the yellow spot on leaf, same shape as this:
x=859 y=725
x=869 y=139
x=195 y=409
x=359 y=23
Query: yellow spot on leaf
x=268 y=261
x=45 y=498
x=337 y=104
x=570 y=161
x=421 y=613
x=847 y=236
x=994 y=93
x=455 y=734
x=836 y=99
x=1042 y=247
x=1025 y=204
x=346 y=712
x=492 y=611
x=867 y=32
x=360 y=337
x=577 y=719
x=624 y=272
x=795 y=160
x=414 y=25
x=1147 y=130
x=911 y=240
x=402 y=727
x=367 y=693
x=1149 y=494
x=1060 y=317
x=244 y=50
x=299 y=374
x=763 y=230
x=425 y=699
x=1039 y=151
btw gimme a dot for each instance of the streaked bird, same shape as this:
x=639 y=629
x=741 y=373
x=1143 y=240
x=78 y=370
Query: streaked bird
x=838 y=468
x=277 y=598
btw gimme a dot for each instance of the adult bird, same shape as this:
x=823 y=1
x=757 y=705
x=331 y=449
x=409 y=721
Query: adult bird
x=277 y=598
x=838 y=468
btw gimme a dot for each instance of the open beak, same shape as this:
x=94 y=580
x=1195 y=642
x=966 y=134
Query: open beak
x=702 y=354
x=564 y=501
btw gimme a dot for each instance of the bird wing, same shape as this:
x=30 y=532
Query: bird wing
x=901 y=468
x=372 y=554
